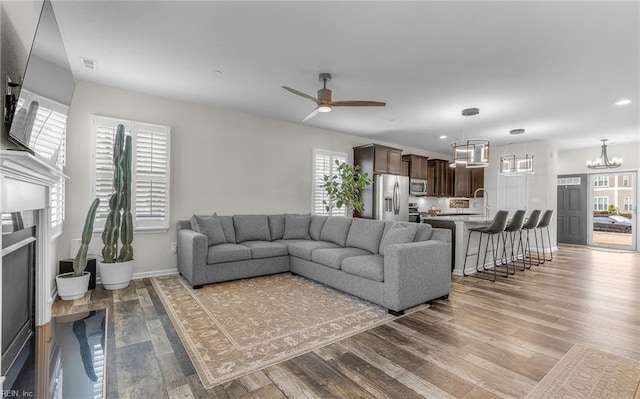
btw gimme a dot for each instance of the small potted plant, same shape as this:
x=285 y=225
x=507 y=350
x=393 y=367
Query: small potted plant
x=345 y=187
x=74 y=285
x=116 y=267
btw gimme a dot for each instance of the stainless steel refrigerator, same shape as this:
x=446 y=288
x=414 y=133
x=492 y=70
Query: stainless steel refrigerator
x=391 y=197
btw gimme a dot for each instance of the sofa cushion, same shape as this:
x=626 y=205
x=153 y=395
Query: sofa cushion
x=365 y=234
x=227 y=253
x=335 y=230
x=303 y=249
x=368 y=266
x=227 y=226
x=251 y=228
x=398 y=234
x=332 y=257
x=423 y=233
x=296 y=227
x=315 y=228
x=276 y=226
x=210 y=227
x=265 y=249
x=194 y=226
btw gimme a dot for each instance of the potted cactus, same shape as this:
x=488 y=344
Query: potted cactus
x=116 y=267
x=74 y=285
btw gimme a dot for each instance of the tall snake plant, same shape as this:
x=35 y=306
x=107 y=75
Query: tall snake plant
x=119 y=222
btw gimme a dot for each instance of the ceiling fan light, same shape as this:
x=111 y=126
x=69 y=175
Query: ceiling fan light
x=324 y=108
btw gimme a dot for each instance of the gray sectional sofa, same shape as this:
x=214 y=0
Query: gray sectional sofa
x=393 y=264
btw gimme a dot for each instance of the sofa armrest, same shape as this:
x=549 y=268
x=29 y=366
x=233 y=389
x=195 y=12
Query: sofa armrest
x=440 y=234
x=416 y=272
x=192 y=256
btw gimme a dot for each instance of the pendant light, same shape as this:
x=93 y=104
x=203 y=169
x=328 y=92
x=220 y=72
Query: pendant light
x=474 y=153
x=512 y=164
x=604 y=162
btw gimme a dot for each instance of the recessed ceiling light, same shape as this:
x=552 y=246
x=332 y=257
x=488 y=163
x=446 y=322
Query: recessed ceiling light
x=443 y=137
x=623 y=102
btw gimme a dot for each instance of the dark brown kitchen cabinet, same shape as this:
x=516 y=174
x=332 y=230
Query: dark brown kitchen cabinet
x=467 y=181
x=418 y=166
x=462 y=181
x=374 y=158
x=405 y=168
x=477 y=180
x=440 y=177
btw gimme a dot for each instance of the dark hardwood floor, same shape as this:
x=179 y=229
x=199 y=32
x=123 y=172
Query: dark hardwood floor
x=488 y=340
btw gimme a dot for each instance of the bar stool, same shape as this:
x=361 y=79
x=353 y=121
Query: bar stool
x=514 y=227
x=497 y=227
x=531 y=224
x=545 y=221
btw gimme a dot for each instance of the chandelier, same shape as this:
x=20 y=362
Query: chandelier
x=604 y=162
x=512 y=164
x=474 y=153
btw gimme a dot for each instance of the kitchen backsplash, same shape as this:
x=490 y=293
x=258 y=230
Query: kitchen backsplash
x=427 y=203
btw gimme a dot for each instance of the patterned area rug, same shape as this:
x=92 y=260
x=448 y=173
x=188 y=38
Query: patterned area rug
x=587 y=373
x=235 y=328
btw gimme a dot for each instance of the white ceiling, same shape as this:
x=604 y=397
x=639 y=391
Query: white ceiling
x=553 y=68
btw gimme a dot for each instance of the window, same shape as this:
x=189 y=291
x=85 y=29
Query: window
x=150 y=171
x=625 y=180
x=57 y=207
x=627 y=203
x=600 y=203
x=601 y=181
x=324 y=164
x=48 y=140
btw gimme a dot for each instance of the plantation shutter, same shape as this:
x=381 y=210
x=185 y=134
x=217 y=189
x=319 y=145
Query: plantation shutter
x=57 y=207
x=150 y=171
x=48 y=141
x=152 y=175
x=324 y=164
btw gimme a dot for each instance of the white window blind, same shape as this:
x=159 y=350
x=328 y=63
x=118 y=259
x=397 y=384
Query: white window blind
x=48 y=141
x=57 y=207
x=324 y=164
x=150 y=171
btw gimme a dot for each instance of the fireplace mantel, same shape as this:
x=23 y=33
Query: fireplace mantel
x=25 y=184
x=23 y=166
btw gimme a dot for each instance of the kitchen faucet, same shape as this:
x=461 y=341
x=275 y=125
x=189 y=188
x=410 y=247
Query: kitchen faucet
x=485 y=201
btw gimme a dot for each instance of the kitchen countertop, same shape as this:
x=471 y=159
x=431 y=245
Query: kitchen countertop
x=459 y=218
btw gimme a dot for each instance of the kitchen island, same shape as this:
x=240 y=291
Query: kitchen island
x=459 y=226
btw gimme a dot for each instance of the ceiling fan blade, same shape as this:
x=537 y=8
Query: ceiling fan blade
x=358 y=103
x=311 y=115
x=301 y=94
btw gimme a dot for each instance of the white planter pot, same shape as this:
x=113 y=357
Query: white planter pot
x=115 y=276
x=70 y=288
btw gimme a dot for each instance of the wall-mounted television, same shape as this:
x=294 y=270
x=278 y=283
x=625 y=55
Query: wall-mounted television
x=39 y=116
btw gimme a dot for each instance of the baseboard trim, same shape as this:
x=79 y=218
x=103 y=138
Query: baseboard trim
x=152 y=273
x=155 y=273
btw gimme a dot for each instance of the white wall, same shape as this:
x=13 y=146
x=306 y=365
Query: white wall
x=223 y=161
x=574 y=161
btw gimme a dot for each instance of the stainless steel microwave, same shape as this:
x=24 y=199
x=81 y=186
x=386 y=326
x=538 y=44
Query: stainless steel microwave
x=418 y=187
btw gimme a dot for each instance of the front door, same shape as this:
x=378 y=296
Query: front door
x=572 y=209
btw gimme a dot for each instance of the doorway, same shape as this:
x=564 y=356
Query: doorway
x=572 y=208
x=612 y=224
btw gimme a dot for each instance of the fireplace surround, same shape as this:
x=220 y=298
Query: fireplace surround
x=25 y=189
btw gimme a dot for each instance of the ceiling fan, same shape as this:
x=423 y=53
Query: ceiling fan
x=325 y=104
